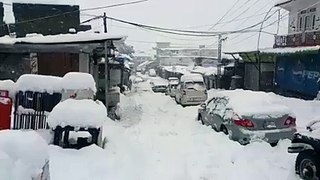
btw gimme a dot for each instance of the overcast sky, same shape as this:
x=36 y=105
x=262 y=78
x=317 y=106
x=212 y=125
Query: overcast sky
x=184 y=14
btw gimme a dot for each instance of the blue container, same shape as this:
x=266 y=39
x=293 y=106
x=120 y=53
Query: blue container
x=298 y=74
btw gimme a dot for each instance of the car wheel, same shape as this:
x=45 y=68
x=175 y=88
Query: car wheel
x=201 y=120
x=308 y=165
x=274 y=144
x=214 y=127
x=224 y=129
x=230 y=135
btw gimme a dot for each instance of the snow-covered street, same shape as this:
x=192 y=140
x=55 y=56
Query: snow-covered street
x=158 y=139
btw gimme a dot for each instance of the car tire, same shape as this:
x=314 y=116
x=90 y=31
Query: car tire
x=215 y=128
x=274 y=144
x=224 y=129
x=308 y=165
x=200 y=119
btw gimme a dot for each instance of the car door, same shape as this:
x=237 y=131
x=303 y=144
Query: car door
x=218 y=112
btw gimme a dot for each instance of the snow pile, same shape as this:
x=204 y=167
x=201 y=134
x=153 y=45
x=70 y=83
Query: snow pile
x=22 y=154
x=84 y=164
x=10 y=86
x=192 y=78
x=39 y=83
x=78 y=113
x=78 y=81
x=249 y=103
x=289 y=50
x=125 y=56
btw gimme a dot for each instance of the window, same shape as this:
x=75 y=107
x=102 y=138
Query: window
x=220 y=106
x=313 y=21
x=307 y=23
x=307 y=19
x=300 y=24
x=211 y=105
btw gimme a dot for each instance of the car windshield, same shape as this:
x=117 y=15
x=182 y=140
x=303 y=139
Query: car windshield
x=195 y=85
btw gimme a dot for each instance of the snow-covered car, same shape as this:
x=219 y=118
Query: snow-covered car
x=191 y=90
x=172 y=87
x=159 y=86
x=78 y=123
x=152 y=73
x=247 y=115
x=307 y=164
x=23 y=155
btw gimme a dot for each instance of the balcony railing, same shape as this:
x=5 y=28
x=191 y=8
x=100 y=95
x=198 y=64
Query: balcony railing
x=309 y=38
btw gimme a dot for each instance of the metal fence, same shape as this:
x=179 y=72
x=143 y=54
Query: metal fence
x=32 y=109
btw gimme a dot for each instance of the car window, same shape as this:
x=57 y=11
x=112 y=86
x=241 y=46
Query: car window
x=211 y=105
x=221 y=104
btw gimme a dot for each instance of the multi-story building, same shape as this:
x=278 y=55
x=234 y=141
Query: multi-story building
x=304 y=23
x=168 y=55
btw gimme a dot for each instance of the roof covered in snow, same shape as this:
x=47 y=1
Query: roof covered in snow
x=279 y=51
x=178 y=69
x=207 y=71
x=39 y=83
x=78 y=113
x=81 y=37
x=78 y=80
x=245 y=102
x=192 y=78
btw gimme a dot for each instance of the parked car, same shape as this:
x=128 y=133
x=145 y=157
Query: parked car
x=246 y=116
x=152 y=73
x=307 y=164
x=172 y=87
x=191 y=90
x=159 y=86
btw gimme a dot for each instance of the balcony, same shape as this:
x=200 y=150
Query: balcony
x=308 y=38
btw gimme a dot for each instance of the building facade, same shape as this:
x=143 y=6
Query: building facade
x=168 y=55
x=304 y=23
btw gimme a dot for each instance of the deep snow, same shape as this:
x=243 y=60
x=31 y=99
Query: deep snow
x=158 y=139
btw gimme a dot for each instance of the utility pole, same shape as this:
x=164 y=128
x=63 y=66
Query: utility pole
x=219 y=61
x=105 y=22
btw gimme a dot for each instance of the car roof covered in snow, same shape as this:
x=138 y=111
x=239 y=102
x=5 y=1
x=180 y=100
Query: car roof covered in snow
x=173 y=78
x=78 y=80
x=78 y=113
x=248 y=103
x=39 y=83
x=192 y=78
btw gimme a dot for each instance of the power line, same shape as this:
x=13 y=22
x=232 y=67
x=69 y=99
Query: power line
x=243 y=12
x=224 y=15
x=82 y=10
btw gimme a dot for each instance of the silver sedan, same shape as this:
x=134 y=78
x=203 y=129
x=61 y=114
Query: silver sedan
x=219 y=113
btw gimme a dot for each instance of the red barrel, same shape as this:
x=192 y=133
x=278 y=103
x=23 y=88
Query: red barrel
x=5 y=110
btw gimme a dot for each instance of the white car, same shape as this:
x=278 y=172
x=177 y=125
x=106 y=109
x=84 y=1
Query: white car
x=152 y=73
x=172 y=87
x=191 y=90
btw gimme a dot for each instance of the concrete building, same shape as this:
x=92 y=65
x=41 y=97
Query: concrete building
x=168 y=55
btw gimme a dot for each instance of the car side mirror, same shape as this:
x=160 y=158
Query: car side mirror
x=203 y=106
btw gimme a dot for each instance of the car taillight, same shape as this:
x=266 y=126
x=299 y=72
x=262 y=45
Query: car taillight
x=243 y=122
x=4 y=93
x=184 y=92
x=290 y=121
